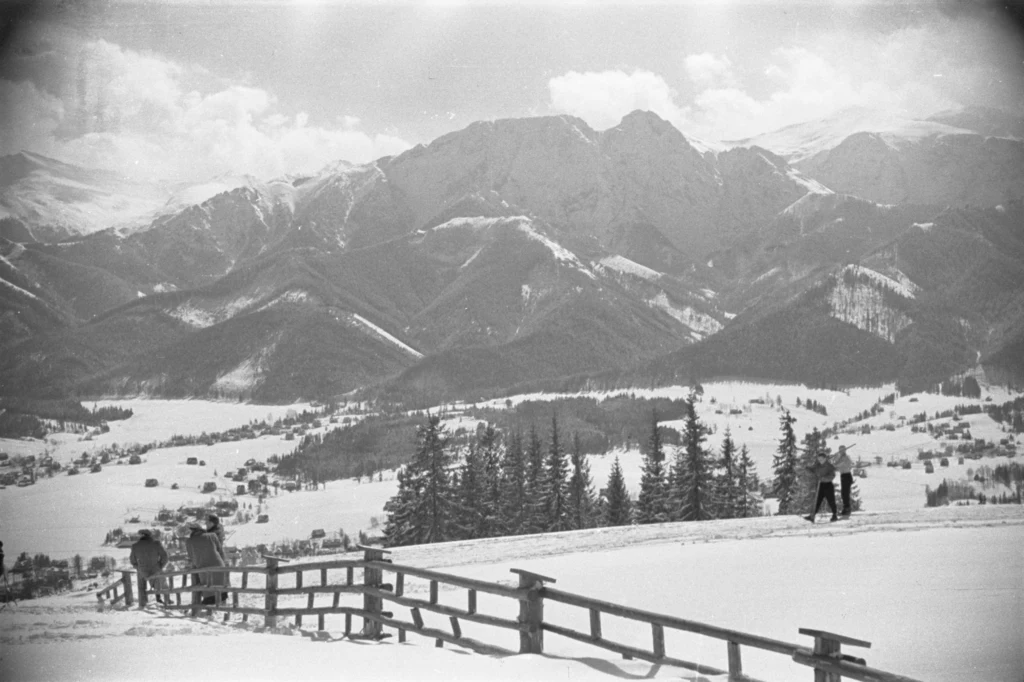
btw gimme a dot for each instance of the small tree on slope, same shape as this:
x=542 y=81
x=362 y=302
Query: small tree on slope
x=617 y=507
x=785 y=466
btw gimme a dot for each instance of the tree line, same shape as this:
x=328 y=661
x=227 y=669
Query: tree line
x=513 y=483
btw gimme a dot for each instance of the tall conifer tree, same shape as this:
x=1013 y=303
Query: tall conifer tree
x=729 y=493
x=652 y=505
x=512 y=519
x=690 y=477
x=534 y=511
x=581 y=489
x=749 y=485
x=554 y=488
x=784 y=466
x=424 y=508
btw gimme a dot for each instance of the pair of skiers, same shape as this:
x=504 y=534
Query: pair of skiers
x=824 y=472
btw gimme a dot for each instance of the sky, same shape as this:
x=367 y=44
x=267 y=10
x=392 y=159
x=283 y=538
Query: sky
x=187 y=90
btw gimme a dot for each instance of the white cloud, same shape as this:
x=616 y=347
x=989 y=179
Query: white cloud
x=603 y=98
x=131 y=112
x=707 y=70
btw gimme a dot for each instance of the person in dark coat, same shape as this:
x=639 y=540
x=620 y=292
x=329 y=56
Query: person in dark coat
x=148 y=557
x=204 y=550
x=824 y=473
x=214 y=526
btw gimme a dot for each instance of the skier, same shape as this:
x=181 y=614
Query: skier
x=844 y=465
x=148 y=557
x=824 y=473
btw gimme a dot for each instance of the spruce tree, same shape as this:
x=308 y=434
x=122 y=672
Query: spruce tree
x=690 y=479
x=749 y=485
x=784 y=466
x=581 y=489
x=468 y=520
x=617 y=507
x=729 y=493
x=512 y=502
x=424 y=507
x=554 y=488
x=400 y=525
x=652 y=505
x=489 y=447
x=534 y=521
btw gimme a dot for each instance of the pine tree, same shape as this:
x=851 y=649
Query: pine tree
x=554 y=489
x=489 y=446
x=784 y=465
x=652 y=504
x=749 y=485
x=730 y=494
x=469 y=520
x=617 y=507
x=400 y=525
x=512 y=502
x=581 y=489
x=423 y=509
x=534 y=510
x=690 y=479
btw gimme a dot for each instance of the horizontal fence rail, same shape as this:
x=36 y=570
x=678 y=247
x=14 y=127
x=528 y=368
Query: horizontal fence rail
x=311 y=581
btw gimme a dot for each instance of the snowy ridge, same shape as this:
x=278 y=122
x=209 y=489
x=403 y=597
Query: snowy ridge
x=477 y=223
x=201 y=318
x=864 y=305
x=813 y=186
x=701 y=325
x=19 y=290
x=626 y=266
x=904 y=287
x=560 y=252
x=247 y=375
x=377 y=331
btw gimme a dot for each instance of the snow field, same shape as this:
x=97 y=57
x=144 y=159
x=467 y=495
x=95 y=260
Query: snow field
x=937 y=592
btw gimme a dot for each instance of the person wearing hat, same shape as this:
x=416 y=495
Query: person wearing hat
x=844 y=465
x=824 y=473
x=214 y=526
x=148 y=557
x=204 y=550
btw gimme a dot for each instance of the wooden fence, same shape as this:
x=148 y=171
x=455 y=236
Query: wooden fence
x=240 y=597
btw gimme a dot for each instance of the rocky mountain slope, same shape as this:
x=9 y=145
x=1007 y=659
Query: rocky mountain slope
x=525 y=252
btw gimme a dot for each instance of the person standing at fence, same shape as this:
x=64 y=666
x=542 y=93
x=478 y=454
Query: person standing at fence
x=148 y=557
x=824 y=473
x=214 y=526
x=204 y=550
x=844 y=465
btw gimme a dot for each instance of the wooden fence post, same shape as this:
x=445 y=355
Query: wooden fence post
x=270 y=603
x=126 y=580
x=372 y=577
x=531 y=611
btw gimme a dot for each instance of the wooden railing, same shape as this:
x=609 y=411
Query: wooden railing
x=244 y=599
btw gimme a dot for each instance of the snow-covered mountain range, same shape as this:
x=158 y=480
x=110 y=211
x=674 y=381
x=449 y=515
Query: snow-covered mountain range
x=524 y=251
